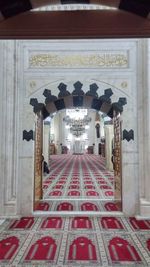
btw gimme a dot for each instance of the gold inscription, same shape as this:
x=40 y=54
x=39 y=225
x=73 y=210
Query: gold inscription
x=78 y=61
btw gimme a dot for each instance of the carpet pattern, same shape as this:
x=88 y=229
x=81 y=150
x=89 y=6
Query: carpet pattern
x=78 y=176
x=78 y=183
x=57 y=241
x=78 y=205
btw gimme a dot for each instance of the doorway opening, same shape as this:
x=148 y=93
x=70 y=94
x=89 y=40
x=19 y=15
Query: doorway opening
x=78 y=160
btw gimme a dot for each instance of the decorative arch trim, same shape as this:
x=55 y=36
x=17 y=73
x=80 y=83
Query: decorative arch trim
x=78 y=99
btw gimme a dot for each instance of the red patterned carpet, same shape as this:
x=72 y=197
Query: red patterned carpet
x=78 y=183
x=57 y=241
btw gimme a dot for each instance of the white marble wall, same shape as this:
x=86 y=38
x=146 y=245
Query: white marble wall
x=34 y=70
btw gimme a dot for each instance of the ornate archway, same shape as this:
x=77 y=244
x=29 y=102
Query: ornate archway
x=77 y=99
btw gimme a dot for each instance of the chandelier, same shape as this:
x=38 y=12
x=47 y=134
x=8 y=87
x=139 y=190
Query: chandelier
x=77 y=126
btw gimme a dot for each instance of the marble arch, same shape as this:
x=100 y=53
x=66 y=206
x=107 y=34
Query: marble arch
x=101 y=103
x=77 y=99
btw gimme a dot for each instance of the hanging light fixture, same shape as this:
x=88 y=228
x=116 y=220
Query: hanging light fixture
x=77 y=124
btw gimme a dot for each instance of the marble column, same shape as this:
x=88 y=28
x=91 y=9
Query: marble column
x=97 y=133
x=58 y=133
x=9 y=130
x=92 y=132
x=46 y=141
x=145 y=194
x=109 y=134
x=147 y=130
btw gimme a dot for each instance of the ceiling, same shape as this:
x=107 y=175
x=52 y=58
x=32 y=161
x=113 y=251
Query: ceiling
x=74 y=19
x=9 y=8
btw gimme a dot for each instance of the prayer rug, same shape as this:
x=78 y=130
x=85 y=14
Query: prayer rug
x=122 y=249
x=43 y=249
x=82 y=249
x=81 y=223
x=24 y=223
x=139 y=224
x=10 y=244
x=52 y=222
x=111 y=223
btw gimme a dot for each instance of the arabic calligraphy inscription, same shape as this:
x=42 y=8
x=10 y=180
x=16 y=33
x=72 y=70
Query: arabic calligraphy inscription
x=103 y=60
